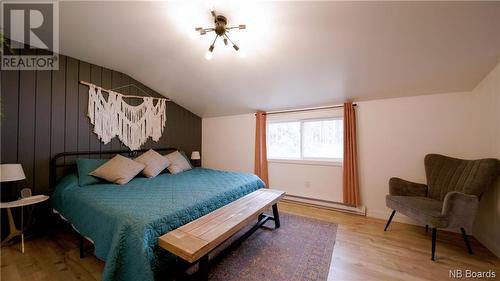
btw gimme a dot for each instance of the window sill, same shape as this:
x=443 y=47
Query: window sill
x=306 y=162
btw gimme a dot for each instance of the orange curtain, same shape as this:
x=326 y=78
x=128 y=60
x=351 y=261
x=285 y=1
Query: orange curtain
x=350 y=172
x=260 y=147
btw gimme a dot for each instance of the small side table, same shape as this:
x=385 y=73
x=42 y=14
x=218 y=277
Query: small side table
x=13 y=231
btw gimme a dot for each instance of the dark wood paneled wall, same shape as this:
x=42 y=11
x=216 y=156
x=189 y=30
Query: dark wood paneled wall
x=45 y=113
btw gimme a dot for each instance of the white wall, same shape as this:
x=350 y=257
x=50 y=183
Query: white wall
x=228 y=143
x=312 y=181
x=394 y=135
x=487 y=97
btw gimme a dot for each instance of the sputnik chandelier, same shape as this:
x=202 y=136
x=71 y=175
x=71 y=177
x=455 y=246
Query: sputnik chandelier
x=221 y=30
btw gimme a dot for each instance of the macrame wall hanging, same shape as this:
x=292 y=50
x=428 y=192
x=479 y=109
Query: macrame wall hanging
x=133 y=124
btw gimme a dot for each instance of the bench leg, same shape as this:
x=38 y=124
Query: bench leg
x=261 y=217
x=203 y=268
x=81 y=247
x=276 y=216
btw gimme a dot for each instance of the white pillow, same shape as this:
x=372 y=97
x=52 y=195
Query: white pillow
x=118 y=170
x=178 y=163
x=154 y=161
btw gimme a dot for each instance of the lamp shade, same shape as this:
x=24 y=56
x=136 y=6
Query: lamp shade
x=195 y=155
x=11 y=172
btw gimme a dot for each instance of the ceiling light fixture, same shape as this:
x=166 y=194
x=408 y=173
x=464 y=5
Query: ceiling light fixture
x=221 y=30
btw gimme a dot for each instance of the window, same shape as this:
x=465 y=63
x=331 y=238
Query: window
x=283 y=140
x=314 y=139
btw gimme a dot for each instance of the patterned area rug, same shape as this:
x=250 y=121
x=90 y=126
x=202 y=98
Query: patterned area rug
x=300 y=250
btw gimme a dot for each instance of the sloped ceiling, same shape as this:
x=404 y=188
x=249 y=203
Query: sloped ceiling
x=297 y=53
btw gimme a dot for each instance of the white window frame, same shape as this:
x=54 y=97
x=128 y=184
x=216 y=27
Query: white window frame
x=305 y=160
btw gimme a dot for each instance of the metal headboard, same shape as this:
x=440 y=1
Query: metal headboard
x=54 y=165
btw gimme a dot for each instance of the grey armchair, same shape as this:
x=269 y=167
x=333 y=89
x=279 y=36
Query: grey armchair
x=451 y=197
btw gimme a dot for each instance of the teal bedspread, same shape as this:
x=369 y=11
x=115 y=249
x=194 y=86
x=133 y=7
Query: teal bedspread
x=125 y=221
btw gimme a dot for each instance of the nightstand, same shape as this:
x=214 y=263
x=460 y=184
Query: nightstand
x=13 y=231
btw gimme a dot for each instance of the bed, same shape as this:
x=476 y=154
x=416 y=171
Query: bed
x=124 y=222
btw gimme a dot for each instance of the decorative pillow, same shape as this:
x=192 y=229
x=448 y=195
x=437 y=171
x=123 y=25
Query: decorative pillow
x=154 y=162
x=118 y=170
x=178 y=163
x=84 y=167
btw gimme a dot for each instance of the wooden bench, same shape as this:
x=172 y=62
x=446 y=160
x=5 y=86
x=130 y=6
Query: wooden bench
x=195 y=240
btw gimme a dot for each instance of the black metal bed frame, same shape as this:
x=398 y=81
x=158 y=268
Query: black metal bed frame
x=54 y=165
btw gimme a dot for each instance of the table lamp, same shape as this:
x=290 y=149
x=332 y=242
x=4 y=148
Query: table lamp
x=11 y=172
x=195 y=157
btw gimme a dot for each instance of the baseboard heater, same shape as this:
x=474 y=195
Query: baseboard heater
x=337 y=206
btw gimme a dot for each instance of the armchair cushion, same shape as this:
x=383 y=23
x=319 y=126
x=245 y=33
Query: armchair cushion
x=400 y=187
x=446 y=174
x=422 y=209
x=461 y=209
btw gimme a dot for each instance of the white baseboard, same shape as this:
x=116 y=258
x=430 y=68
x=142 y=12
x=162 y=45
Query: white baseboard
x=384 y=215
x=327 y=204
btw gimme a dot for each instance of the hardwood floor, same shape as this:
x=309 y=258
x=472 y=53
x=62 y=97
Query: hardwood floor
x=363 y=251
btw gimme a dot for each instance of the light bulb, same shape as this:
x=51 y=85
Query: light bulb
x=212 y=9
x=209 y=55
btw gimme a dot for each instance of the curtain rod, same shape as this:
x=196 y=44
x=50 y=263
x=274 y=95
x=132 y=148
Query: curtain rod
x=306 y=109
x=126 y=96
